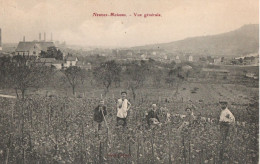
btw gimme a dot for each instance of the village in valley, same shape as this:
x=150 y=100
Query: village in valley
x=61 y=56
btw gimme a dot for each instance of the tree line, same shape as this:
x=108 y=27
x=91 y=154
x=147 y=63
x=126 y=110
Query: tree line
x=22 y=73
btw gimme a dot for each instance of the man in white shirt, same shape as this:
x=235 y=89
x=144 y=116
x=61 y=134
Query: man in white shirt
x=226 y=119
x=123 y=105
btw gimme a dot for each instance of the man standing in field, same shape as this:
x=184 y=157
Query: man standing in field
x=99 y=113
x=123 y=105
x=226 y=119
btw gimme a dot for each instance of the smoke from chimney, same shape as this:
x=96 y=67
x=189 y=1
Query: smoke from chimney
x=44 y=36
x=40 y=36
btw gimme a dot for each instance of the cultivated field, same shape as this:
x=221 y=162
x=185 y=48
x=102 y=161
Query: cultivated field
x=60 y=129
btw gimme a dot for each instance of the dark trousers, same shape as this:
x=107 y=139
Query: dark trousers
x=224 y=130
x=99 y=125
x=123 y=119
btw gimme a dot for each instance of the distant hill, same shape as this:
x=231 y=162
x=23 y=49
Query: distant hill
x=242 y=41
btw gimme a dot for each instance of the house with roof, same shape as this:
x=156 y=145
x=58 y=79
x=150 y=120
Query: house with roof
x=83 y=65
x=71 y=61
x=252 y=75
x=32 y=48
x=47 y=61
x=177 y=59
x=186 y=67
x=143 y=56
x=190 y=58
x=250 y=60
x=58 y=64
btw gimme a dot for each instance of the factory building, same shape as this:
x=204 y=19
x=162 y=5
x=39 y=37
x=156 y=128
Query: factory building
x=33 y=48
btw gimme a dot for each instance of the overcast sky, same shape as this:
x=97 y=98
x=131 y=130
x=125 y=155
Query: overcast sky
x=72 y=20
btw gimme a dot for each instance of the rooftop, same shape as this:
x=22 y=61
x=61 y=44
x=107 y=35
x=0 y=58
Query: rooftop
x=72 y=58
x=26 y=46
x=47 y=60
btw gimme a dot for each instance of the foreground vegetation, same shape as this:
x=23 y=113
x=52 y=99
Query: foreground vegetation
x=61 y=130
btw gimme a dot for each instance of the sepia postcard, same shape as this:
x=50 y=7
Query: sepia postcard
x=129 y=81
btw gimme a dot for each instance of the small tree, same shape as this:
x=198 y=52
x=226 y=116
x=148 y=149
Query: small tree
x=84 y=74
x=137 y=75
x=157 y=76
x=74 y=76
x=5 y=64
x=107 y=73
x=25 y=73
x=177 y=76
x=52 y=52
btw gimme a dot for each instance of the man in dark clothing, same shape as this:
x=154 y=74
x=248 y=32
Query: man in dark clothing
x=152 y=116
x=99 y=113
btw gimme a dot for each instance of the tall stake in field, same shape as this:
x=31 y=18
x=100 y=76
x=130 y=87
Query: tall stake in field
x=136 y=115
x=138 y=144
x=221 y=153
x=201 y=156
x=129 y=150
x=106 y=125
x=189 y=138
x=143 y=148
x=184 y=149
x=152 y=146
x=100 y=152
x=169 y=144
x=56 y=139
x=8 y=148
x=23 y=151
x=31 y=117
x=82 y=143
x=189 y=153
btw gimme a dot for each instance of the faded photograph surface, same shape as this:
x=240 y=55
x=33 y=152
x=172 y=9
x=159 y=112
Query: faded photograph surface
x=129 y=81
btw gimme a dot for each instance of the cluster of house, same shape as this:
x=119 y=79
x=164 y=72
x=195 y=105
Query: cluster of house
x=252 y=75
x=63 y=64
x=35 y=48
x=250 y=59
x=158 y=55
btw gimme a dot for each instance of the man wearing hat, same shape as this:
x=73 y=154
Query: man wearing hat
x=99 y=113
x=225 y=120
x=152 y=116
x=188 y=120
x=123 y=105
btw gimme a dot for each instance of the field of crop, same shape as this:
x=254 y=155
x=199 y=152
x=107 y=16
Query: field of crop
x=59 y=129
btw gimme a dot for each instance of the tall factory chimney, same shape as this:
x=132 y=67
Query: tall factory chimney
x=23 y=38
x=0 y=40
x=44 y=36
x=51 y=36
x=40 y=36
